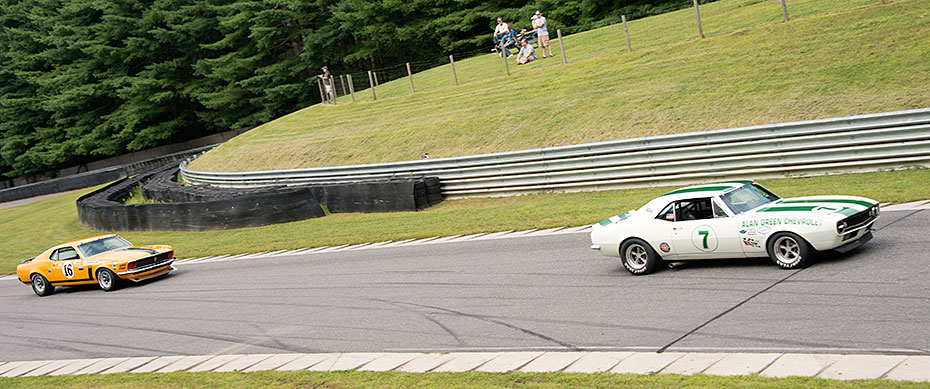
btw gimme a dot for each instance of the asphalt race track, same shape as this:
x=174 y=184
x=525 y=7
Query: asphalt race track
x=531 y=293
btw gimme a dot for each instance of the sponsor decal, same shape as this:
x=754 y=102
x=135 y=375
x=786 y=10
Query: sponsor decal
x=648 y=210
x=665 y=247
x=750 y=242
x=114 y=267
x=743 y=232
x=778 y=221
x=704 y=238
x=764 y=230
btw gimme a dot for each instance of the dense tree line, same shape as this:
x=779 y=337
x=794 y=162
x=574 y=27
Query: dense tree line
x=82 y=80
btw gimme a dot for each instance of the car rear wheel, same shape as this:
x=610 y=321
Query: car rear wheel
x=788 y=250
x=41 y=286
x=107 y=280
x=638 y=257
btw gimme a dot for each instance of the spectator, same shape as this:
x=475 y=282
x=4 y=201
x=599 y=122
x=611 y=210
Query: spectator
x=507 y=41
x=542 y=33
x=527 y=53
x=327 y=86
x=499 y=31
x=425 y=156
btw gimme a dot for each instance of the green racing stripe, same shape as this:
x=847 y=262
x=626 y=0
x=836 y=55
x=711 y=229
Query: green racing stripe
x=837 y=201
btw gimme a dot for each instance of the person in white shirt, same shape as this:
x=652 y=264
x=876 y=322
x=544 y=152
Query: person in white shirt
x=542 y=33
x=527 y=53
x=500 y=30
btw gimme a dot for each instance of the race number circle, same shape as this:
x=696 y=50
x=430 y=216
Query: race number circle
x=704 y=238
x=68 y=270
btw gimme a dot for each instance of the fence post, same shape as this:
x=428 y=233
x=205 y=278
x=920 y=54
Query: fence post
x=351 y=87
x=410 y=76
x=376 y=78
x=562 y=45
x=626 y=32
x=454 y=77
x=506 y=65
x=697 y=13
x=319 y=84
x=343 y=78
x=332 y=89
x=372 y=83
x=784 y=10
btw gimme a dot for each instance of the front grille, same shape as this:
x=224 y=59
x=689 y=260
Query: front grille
x=858 y=220
x=152 y=261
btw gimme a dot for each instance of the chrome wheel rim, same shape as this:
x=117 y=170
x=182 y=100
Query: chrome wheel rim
x=104 y=279
x=636 y=256
x=787 y=250
x=38 y=284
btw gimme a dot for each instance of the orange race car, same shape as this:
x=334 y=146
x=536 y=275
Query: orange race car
x=106 y=260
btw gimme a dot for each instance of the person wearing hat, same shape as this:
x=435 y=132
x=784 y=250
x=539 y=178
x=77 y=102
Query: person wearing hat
x=542 y=33
x=326 y=83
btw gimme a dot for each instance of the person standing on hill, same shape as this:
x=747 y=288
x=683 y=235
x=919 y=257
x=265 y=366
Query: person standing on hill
x=542 y=33
x=327 y=86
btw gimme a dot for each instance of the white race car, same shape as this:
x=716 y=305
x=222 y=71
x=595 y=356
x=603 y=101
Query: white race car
x=736 y=219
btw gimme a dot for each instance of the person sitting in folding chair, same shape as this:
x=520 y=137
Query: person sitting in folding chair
x=508 y=41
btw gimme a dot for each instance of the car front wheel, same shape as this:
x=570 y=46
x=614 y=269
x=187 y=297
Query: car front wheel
x=41 y=286
x=107 y=280
x=638 y=257
x=789 y=251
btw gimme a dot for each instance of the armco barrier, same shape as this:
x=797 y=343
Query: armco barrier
x=845 y=144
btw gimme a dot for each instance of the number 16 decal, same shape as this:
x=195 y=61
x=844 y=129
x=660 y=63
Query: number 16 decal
x=68 y=270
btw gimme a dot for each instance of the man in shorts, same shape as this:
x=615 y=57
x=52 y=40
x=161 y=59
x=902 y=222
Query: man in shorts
x=542 y=33
x=327 y=86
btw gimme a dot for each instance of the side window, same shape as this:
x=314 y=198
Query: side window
x=718 y=211
x=668 y=213
x=694 y=209
x=54 y=256
x=66 y=253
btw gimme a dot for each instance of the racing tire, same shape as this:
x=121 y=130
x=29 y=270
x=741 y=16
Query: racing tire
x=789 y=251
x=638 y=257
x=41 y=286
x=107 y=280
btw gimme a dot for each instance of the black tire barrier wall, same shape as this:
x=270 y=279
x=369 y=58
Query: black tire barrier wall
x=202 y=208
x=103 y=209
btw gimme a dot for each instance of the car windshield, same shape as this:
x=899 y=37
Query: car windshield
x=748 y=197
x=102 y=245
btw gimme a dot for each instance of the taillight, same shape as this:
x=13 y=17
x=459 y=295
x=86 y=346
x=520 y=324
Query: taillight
x=132 y=265
x=170 y=254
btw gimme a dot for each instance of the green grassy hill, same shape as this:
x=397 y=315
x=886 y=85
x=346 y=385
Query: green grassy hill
x=833 y=58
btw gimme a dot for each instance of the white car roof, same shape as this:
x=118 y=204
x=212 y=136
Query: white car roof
x=693 y=191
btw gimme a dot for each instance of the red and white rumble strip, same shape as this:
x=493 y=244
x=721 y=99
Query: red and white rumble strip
x=831 y=366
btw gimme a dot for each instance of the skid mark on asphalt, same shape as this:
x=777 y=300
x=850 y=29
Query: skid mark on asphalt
x=731 y=309
x=490 y=320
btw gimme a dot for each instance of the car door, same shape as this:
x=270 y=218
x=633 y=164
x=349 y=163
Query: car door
x=703 y=230
x=64 y=265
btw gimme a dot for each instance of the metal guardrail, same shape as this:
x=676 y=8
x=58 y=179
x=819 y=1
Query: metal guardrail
x=852 y=143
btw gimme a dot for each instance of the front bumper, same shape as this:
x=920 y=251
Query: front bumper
x=867 y=236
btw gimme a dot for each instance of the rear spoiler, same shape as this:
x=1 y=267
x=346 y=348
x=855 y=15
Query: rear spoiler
x=27 y=260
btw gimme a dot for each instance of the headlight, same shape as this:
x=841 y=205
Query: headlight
x=840 y=226
x=875 y=211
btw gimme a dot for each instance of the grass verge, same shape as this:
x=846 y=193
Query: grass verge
x=30 y=229
x=305 y=379
x=833 y=58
